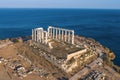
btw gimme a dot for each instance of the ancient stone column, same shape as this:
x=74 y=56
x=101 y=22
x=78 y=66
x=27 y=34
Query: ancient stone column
x=59 y=34
x=40 y=36
x=56 y=33
x=46 y=37
x=68 y=36
x=62 y=34
x=72 y=37
x=35 y=35
x=49 y=31
x=53 y=33
x=65 y=36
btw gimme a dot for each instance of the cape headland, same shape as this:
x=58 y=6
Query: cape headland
x=56 y=54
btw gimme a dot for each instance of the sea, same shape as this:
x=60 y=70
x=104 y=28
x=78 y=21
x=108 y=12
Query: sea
x=103 y=25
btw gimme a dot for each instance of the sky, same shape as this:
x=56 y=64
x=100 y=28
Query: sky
x=102 y=4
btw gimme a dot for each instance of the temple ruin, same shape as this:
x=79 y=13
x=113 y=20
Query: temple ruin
x=59 y=48
x=59 y=34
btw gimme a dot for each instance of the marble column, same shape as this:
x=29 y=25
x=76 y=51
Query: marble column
x=62 y=34
x=40 y=36
x=59 y=34
x=50 y=35
x=46 y=37
x=35 y=35
x=72 y=37
x=53 y=32
x=49 y=31
x=69 y=36
x=65 y=36
x=56 y=34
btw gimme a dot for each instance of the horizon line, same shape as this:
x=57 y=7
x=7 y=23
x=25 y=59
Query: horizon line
x=53 y=8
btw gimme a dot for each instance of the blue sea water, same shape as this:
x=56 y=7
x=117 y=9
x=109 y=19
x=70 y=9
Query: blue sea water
x=103 y=25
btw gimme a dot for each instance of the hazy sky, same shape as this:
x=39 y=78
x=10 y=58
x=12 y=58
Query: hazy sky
x=111 y=4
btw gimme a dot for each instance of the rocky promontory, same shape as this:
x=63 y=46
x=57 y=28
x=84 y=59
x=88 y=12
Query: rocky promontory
x=21 y=60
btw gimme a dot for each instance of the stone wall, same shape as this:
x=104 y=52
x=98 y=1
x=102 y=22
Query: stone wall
x=76 y=53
